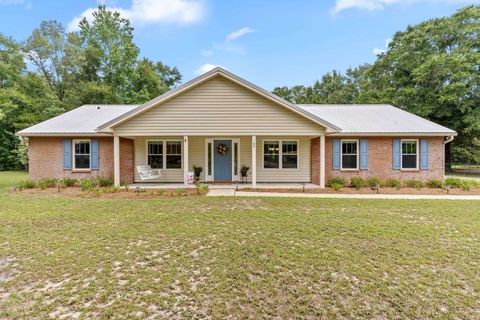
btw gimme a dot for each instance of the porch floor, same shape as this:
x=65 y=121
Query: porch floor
x=233 y=185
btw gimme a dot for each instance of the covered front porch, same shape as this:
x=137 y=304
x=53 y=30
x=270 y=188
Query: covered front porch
x=273 y=162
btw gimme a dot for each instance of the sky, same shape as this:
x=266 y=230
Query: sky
x=270 y=43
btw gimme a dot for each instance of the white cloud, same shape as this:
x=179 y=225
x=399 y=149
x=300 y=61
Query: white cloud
x=152 y=11
x=207 y=67
x=372 y=5
x=237 y=34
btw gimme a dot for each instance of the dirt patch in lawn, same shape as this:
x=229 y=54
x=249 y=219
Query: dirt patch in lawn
x=349 y=190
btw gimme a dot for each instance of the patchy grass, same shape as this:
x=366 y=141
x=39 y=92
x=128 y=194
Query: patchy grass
x=194 y=257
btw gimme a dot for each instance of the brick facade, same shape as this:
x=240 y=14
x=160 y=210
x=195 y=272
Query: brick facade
x=46 y=159
x=315 y=160
x=380 y=160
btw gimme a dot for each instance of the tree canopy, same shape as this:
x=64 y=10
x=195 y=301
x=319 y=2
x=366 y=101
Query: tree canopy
x=54 y=71
x=431 y=69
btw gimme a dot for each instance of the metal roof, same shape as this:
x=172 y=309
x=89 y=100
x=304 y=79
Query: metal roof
x=82 y=120
x=374 y=119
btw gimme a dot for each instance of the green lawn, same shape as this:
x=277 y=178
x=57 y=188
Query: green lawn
x=195 y=257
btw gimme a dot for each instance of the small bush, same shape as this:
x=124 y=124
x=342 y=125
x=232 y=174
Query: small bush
x=202 y=188
x=412 y=183
x=46 y=183
x=453 y=182
x=336 y=180
x=68 y=182
x=358 y=182
x=26 y=184
x=467 y=184
x=181 y=192
x=111 y=189
x=374 y=182
x=88 y=184
x=161 y=191
x=434 y=184
x=393 y=183
x=336 y=186
x=104 y=181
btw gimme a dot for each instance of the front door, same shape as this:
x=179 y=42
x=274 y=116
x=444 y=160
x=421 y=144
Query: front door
x=222 y=160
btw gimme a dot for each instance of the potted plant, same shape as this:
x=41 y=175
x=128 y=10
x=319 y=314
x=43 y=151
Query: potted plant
x=197 y=170
x=244 y=171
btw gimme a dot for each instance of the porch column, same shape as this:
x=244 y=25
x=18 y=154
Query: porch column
x=185 y=159
x=322 y=161
x=254 y=162
x=116 y=160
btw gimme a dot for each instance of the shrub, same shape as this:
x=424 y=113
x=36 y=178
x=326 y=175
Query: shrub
x=336 y=186
x=181 y=192
x=68 y=182
x=412 y=183
x=104 y=181
x=161 y=191
x=88 y=184
x=393 y=183
x=111 y=189
x=374 y=182
x=336 y=180
x=467 y=184
x=26 y=184
x=434 y=184
x=453 y=182
x=202 y=188
x=46 y=183
x=357 y=182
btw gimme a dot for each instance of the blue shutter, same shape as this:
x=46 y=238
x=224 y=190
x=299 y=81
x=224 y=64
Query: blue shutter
x=67 y=154
x=336 y=154
x=424 y=154
x=94 y=154
x=396 y=154
x=363 y=154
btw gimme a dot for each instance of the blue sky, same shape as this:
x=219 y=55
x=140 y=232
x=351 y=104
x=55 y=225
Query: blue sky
x=270 y=43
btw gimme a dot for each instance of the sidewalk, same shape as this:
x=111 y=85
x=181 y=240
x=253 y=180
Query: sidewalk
x=233 y=193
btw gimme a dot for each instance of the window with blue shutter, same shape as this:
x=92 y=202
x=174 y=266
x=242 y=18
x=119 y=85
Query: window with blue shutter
x=396 y=154
x=67 y=154
x=424 y=154
x=94 y=154
x=363 y=154
x=336 y=154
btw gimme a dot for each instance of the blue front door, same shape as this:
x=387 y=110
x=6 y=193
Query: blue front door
x=222 y=160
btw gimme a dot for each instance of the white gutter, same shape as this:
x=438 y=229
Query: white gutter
x=448 y=139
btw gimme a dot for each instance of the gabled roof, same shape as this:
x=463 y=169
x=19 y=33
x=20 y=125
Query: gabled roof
x=201 y=79
x=83 y=120
x=375 y=119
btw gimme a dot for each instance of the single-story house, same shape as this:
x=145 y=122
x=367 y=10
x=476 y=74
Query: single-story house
x=222 y=122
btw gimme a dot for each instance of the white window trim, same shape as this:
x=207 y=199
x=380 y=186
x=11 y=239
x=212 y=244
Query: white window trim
x=211 y=177
x=73 y=155
x=280 y=154
x=164 y=153
x=341 y=154
x=417 y=155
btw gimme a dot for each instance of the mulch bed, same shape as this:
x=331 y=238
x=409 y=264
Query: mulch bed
x=76 y=192
x=349 y=190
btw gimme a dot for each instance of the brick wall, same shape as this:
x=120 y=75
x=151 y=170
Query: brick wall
x=46 y=159
x=380 y=160
x=315 y=160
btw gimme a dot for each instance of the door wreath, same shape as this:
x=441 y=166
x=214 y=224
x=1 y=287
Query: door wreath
x=222 y=149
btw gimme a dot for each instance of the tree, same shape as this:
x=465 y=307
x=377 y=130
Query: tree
x=108 y=41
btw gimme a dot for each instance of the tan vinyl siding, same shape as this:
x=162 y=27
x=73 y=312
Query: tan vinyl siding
x=218 y=107
x=197 y=157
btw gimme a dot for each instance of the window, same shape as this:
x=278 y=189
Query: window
x=155 y=154
x=235 y=158
x=289 y=154
x=280 y=154
x=349 y=154
x=174 y=155
x=81 y=154
x=271 y=159
x=409 y=154
x=209 y=166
